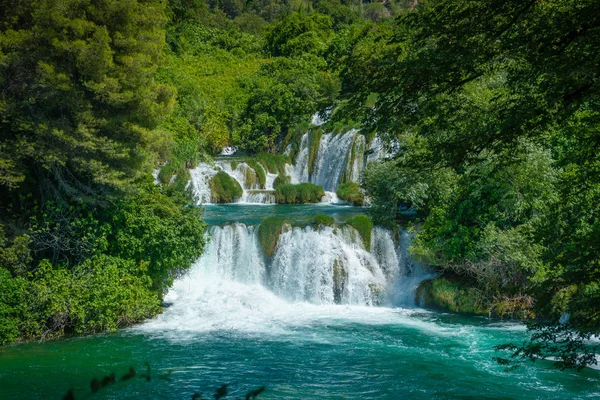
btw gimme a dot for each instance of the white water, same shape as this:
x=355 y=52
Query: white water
x=233 y=286
x=340 y=157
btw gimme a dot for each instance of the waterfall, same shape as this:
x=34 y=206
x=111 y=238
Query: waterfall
x=331 y=160
x=245 y=175
x=324 y=265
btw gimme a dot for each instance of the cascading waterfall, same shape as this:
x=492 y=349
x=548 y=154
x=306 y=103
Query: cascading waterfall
x=323 y=265
x=245 y=175
x=338 y=158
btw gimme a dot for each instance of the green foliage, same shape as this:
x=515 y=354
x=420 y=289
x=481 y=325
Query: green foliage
x=78 y=94
x=299 y=33
x=322 y=219
x=164 y=231
x=268 y=234
x=364 y=225
x=301 y=193
x=281 y=180
x=350 y=192
x=224 y=189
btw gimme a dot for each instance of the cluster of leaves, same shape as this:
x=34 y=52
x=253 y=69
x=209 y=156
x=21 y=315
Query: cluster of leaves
x=493 y=105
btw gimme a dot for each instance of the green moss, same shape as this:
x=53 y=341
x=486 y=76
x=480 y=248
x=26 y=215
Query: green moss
x=234 y=164
x=260 y=172
x=313 y=149
x=364 y=225
x=268 y=234
x=302 y=193
x=250 y=178
x=281 y=180
x=322 y=219
x=224 y=189
x=351 y=193
x=274 y=163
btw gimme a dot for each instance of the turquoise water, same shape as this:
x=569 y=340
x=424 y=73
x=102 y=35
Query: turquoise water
x=254 y=214
x=238 y=331
x=335 y=352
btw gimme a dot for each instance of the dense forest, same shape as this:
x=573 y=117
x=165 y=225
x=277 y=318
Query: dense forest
x=492 y=104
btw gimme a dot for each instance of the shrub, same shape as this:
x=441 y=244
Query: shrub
x=302 y=193
x=268 y=234
x=224 y=189
x=351 y=193
x=364 y=225
x=281 y=180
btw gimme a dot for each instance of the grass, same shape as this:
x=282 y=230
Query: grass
x=351 y=193
x=302 y=193
x=224 y=189
x=364 y=225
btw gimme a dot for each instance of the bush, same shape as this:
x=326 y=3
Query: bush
x=302 y=193
x=364 y=225
x=224 y=189
x=281 y=180
x=351 y=193
x=268 y=234
x=165 y=232
x=322 y=219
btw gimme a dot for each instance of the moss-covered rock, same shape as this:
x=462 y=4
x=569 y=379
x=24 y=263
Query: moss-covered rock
x=313 y=149
x=340 y=277
x=351 y=192
x=260 y=172
x=364 y=225
x=281 y=180
x=302 y=193
x=224 y=189
x=322 y=219
x=452 y=295
x=268 y=234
